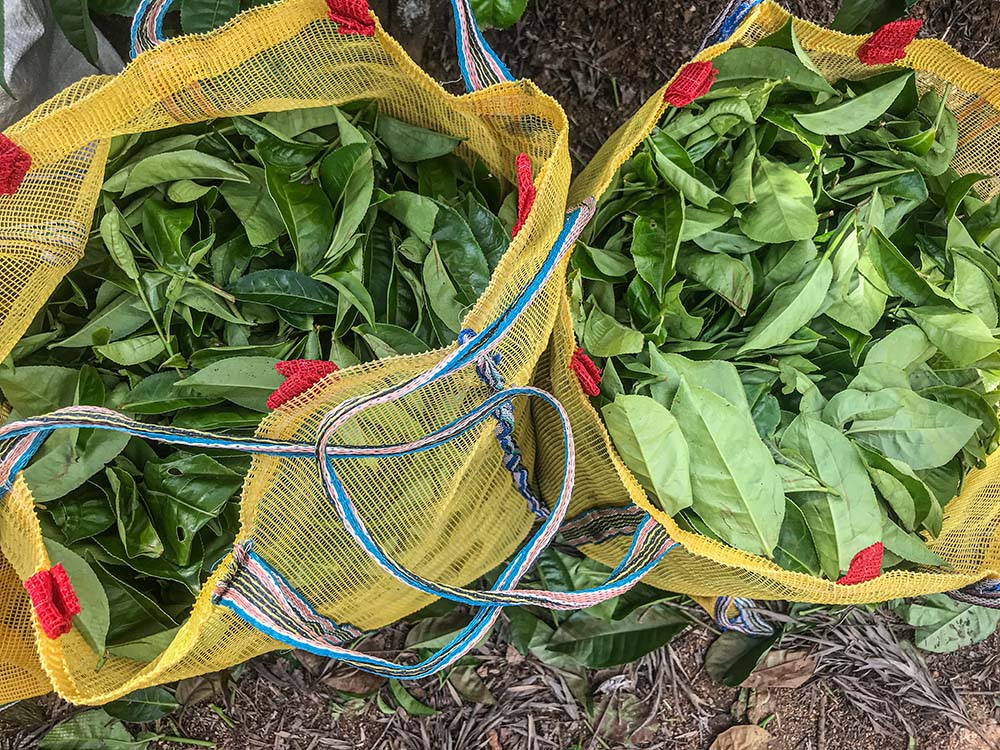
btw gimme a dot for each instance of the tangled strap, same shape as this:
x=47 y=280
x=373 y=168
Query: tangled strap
x=264 y=598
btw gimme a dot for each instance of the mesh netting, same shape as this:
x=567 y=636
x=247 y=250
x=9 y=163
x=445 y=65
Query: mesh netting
x=451 y=513
x=970 y=539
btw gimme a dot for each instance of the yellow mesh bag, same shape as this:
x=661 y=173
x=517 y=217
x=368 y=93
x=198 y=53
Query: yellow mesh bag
x=451 y=513
x=970 y=538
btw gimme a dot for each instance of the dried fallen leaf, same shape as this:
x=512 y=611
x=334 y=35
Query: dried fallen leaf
x=354 y=682
x=470 y=686
x=197 y=689
x=512 y=655
x=494 y=740
x=743 y=737
x=782 y=669
x=759 y=706
x=622 y=721
x=314 y=664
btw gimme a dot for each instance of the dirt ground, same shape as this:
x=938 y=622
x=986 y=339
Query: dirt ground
x=666 y=701
x=601 y=59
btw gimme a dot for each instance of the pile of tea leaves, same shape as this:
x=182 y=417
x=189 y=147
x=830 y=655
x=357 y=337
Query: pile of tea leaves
x=793 y=296
x=217 y=251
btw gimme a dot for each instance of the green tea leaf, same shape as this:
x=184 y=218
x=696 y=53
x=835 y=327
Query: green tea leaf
x=736 y=487
x=286 y=290
x=650 y=442
x=93 y=621
x=944 y=625
x=180 y=165
x=307 y=214
x=183 y=494
x=844 y=524
x=92 y=730
x=784 y=210
x=902 y=425
x=144 y=705
x=245 y=381
x=198 y=16
x=410 y=143
x=854 y=114
x=962 y=337
x=791 y=308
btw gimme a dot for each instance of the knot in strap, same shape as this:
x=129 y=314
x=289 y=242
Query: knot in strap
x=984 y=593
x=741 y=616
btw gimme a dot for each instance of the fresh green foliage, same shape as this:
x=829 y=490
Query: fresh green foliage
x=498 y=14
x=865 y=16
x=218 y=250
x=615 y=632
x=795 y=299
x=94 y=730
x=943 y=624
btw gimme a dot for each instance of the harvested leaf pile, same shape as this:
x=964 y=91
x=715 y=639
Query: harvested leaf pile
x=794 y=297
x=217 y=251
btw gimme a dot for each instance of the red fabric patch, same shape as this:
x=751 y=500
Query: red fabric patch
x=865 y=565
x=694 y=80
x=301 y=374
x=351 y=17
x=14 y=164
x=54 y=600
x=525 y=192
x=586 y=371
x=889 y=43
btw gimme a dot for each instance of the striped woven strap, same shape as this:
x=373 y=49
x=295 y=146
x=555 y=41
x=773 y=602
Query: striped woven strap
x=984 y=593
x=728 y=20
x=478 y=62
x=260 y=595
x=599 y=525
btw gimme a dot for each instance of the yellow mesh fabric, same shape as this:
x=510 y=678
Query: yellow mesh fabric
x=970 y=539
x=451 y=513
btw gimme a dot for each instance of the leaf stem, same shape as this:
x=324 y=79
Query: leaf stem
x=187 y=741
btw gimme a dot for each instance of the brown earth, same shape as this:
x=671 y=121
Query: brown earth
x=600 y=59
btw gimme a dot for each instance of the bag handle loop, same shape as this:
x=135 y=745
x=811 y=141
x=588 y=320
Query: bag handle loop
x=480 y=65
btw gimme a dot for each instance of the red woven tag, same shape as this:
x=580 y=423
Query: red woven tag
x=54 y=600
x=889 y=43
x=525 y=192
x=865 y=565
x=14 y=165
x=351 y=17
x=693 y=80
x=301 y=375
x=586 y=371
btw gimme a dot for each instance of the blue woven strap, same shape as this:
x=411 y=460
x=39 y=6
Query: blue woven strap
x=487 y=368
x=480 y=65
x=260 y=595
x=728 y=21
